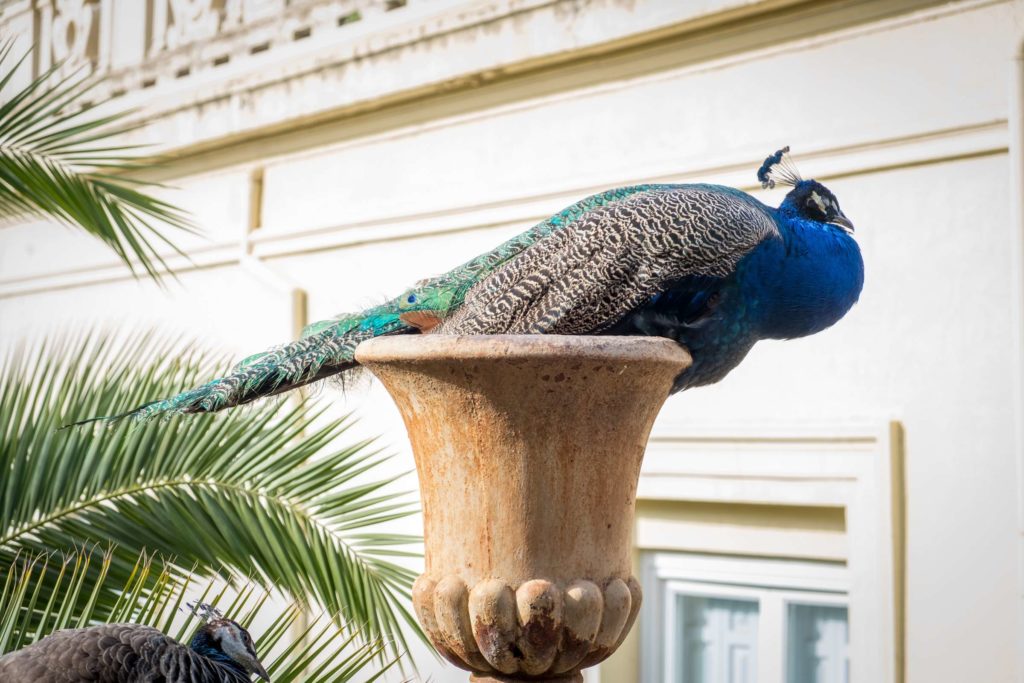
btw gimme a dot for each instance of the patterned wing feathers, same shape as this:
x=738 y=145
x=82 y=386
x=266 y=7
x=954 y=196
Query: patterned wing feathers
x=586 y=276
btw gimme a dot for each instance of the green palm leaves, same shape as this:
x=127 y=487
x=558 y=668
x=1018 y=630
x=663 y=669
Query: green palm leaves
x=260 y=494
x=58 y=161
x=152 y=596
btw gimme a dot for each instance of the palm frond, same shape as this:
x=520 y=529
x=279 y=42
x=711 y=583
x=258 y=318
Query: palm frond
x=58 y=161
x=31 y=607
x=261 y=494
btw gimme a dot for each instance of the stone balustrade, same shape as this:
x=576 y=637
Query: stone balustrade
x=138 y=44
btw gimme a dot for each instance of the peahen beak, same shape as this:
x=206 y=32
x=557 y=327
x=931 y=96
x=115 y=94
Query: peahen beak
x=261 y=672
x=843 y=222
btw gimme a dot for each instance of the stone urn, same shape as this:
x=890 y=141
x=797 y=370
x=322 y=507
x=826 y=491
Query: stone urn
x=528 y=450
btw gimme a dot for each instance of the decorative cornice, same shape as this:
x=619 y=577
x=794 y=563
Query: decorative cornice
x=205 y=73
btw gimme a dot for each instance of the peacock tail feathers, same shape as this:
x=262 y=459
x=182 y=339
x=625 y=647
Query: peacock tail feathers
x=282 y=368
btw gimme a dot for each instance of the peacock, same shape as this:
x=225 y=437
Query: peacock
x=708 y=266
x=221 y=651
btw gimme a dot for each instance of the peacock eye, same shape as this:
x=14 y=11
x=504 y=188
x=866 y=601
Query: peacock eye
x=411 y=299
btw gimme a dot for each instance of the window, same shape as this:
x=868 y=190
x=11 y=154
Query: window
x=817 y=637
x=693 y=475
x=713 y=619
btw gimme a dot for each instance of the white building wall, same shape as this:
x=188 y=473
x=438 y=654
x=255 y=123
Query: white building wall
x=900 y=107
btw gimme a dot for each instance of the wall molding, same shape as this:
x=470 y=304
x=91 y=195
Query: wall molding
x=520 y=211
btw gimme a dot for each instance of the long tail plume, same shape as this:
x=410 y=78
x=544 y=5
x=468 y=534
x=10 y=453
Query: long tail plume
x=326 y=349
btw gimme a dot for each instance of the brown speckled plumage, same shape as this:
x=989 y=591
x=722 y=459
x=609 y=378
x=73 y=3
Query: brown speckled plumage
x=112 y=653
x=588 y=275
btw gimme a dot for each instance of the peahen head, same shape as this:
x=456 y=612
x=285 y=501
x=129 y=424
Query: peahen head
x=226 y=642
x=808 y=199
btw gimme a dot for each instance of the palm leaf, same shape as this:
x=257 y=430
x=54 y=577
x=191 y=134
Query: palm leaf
x=152 y=595
x=58 y=161
x=261 y=494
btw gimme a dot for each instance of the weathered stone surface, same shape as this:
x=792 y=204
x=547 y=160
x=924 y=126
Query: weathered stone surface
x=492 y=610
x=528 y=451
x=582 y=612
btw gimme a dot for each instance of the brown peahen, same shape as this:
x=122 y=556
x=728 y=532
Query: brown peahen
x=221 y=651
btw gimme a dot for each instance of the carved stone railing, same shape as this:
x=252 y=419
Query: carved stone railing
x=137 y=44
x=199 y=74
x=528 y=451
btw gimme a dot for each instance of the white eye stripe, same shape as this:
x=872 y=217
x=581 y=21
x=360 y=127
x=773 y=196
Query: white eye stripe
x=818 y=200
x=231 y=638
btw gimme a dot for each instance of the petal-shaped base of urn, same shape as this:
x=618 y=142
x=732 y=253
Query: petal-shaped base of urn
x=528 y=451
x=541 y=628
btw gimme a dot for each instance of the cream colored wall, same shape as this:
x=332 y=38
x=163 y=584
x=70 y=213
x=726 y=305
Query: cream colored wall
x=905 y=118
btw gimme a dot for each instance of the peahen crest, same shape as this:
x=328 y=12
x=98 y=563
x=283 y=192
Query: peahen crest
x=778 y=169
x=204 y=611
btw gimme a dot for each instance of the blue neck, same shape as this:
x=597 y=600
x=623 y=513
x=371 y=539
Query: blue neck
x=204 y=645
x=804 y=282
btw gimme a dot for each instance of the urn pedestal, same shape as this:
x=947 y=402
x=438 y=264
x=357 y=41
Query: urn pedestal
x=528 y=451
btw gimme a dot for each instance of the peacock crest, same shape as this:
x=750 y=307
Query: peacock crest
x=778 y=169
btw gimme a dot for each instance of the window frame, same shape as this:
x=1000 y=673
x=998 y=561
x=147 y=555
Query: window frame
x=773 y=583
x=855 y=466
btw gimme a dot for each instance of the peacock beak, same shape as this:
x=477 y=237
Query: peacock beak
x=843 y=222
x=261 y=672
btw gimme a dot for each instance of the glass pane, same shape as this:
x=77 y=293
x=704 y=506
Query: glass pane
x=817 y=638
x=719 y=640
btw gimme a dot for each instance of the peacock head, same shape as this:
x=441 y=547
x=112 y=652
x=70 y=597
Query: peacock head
x=225 y=640
x=808 y=199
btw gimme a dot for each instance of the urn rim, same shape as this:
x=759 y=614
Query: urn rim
x=429 y=347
